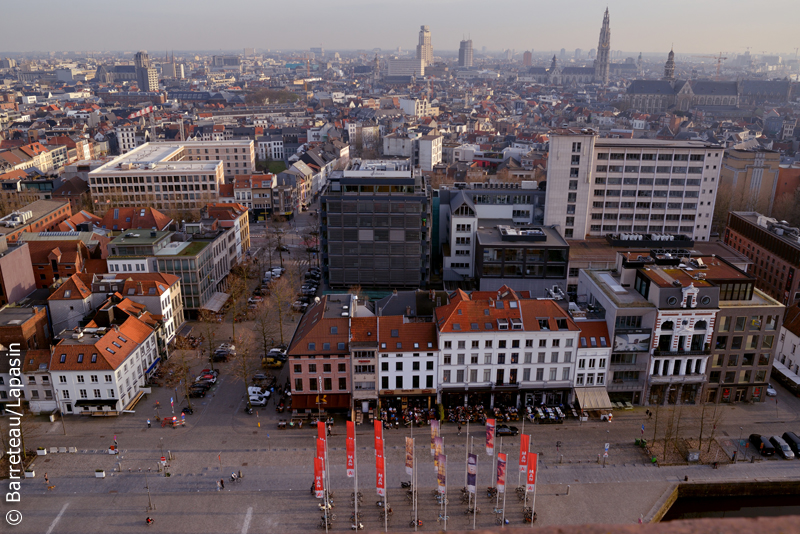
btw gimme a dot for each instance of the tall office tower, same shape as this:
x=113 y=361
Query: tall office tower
x=527 y=59
x=578 y=53
x=465 y=53
x=424 y=48
x=563 y=55
x=601 y=64
x=146 y=75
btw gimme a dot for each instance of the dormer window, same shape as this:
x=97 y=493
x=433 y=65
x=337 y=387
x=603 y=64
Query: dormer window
x=516 y=324
x=544 y=324
x=80 y=358
x=502 y=324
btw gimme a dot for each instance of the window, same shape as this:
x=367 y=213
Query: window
x=553 y=373
x=487 y=358
x=398 y=366
x=565 y=373
x=579 y=379
x=342 y=384
x=327 y=383
x=447 y=359
x=445 y=376
x=487 y=344
x=312 y=368
x=540 y=374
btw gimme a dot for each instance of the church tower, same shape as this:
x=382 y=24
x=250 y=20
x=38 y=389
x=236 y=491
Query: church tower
x=640 y=66
x=669 y=67
x=601 y=63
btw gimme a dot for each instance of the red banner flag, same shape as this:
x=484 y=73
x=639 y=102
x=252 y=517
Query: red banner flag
x=490 y=437
x=321 y=430
x=501 y=472
x=531 y=480
x=319 y=488
x=441 y=472
x=378 y=425
x=524 y=445
x=380 y=473
x=434 y=434
x=351 y=449
x=321 y=451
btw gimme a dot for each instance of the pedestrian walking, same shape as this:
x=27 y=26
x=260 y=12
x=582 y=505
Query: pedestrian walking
x=329 y=430
x=222 y=483
x=148 y=423
x=46 y=479
x=459 y=429
x=219 y=487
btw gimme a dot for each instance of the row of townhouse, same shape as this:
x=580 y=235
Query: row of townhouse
x=420 y=348
x=664 y=327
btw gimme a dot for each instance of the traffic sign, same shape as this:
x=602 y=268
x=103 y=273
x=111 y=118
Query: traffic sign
x=605 y=455
x=606 y=448
x=163 y=459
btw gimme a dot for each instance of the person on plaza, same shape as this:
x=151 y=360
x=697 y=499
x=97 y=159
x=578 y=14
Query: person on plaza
x=222 y=483
x=459 y=429
x=218 y=485
x=46 y=479
x=329 y=430
x=148 y=423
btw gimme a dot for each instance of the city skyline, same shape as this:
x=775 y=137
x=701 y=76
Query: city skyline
x=448 y=21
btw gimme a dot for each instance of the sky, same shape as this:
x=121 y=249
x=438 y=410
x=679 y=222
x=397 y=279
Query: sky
x=692 y=26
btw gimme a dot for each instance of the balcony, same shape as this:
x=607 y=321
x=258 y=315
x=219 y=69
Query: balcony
x=677 y=379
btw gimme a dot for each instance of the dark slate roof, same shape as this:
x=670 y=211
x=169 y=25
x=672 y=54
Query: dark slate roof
x=537 y=70
x=130 y=69
x=650 y=87
x=578 y=70
x=708 y=88
x=754 y=87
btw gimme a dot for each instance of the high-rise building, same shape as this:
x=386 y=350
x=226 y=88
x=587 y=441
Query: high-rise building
x=604 y=186
x=527 y=59
x=602 y=63
x=465 y=53
x=424 y=48
x=361 y=243
x=146 y=75
x=563 y=55
x=578 y=53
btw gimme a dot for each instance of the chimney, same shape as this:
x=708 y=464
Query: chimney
x=433 y=294
x=408 y=311
x=141 y=291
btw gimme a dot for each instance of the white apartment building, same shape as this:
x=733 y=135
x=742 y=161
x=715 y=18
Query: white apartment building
x=103 y=373
x=408 y=357
x=406 y=67
x=417 y=107
x=503 y=348
x=598 y=186
x=270 y=147
x=159 y=175
x=594 y=355
x=425 y=151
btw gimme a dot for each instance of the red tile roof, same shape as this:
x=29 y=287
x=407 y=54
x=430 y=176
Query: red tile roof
x=410 y=336
x=127 y=218
x=78 y=285
x=112 y=349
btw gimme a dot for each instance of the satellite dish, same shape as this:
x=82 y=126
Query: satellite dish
x=316 y=300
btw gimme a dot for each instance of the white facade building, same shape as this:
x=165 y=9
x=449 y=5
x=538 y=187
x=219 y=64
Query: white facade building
x=406 y=67
x=598 y=186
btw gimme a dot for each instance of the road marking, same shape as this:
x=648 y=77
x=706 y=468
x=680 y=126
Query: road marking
x=55 y=521
x=247 y=519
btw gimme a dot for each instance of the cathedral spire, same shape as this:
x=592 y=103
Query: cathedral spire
x=602 y=62
x=669 y=66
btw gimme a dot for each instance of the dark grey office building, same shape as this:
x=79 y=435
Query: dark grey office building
x=375 y=225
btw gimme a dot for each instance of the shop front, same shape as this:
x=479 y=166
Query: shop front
x=546 y=397
x=404 y=399
x=325 y=402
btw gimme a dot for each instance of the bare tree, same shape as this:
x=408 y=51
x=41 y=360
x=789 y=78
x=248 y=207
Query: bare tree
x=281 y=298
x=716 y=420
x=183 y=370
x=266 y=325
x=244 y=366
x=237 y=289
x=208 y=329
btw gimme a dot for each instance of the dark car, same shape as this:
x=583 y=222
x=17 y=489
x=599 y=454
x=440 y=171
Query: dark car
x=283 y=248
x=187 y=410
x=312 y=249
x=762 y=444
x=505 y=430
x=794 y=442
x=197 y=392
x=782 y=448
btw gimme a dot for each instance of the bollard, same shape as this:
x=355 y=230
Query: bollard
x=598 y=458
x=561 y=459
x=169 y=453
x=567 y=489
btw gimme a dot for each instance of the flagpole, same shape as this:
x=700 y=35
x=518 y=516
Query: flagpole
x=475 y=506
x=466 y=457
x=535 y=483
x=414 y=480
x=355 y=478
x=519 y=474
x=385 y=488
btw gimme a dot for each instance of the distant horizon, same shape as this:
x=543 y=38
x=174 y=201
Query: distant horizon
x=201 y=25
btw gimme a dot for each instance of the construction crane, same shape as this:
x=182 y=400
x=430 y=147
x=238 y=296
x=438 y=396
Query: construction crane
x=720 y=58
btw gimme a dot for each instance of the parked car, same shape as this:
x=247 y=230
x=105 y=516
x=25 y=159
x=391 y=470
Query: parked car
x=211 y=379
x=257 y=391
x=197 y=393
x=782 y=447
x=278 y=354
x=283 y=248
x=258 y=400
x=312 y=249
x=771 y=391
x=505 y=430
x=210 y=372
x=794 y=442
x=762 y=445
x=299 y=306
x=278 y=270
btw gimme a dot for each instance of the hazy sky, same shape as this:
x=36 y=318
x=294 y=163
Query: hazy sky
x=694 y=26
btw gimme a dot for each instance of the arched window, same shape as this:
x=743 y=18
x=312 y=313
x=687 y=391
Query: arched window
x=700 y=325
x=667 y=325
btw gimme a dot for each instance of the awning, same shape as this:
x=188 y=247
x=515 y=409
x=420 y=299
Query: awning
x=787 y=374
x=327 y=401
x=152 y=366
x=112 y=403
x=593 y=398
x=216 y=302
